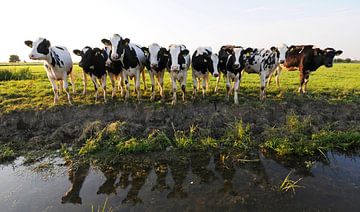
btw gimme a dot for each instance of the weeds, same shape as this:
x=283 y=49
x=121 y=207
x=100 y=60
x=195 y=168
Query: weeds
x=21 y=74
x=290 y=185
x=104 y=208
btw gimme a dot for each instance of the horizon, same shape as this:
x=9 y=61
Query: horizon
x=259 y=24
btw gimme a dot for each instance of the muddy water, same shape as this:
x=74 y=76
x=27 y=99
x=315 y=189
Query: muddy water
x=196 y=182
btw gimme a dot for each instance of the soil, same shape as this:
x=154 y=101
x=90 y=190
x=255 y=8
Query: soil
x=72 y=124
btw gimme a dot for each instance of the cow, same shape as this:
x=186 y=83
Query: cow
x=156 y=61
x=203 y=62
x=178 y=65
x=57 y=63
x=262 y=62
x=93 y=63
x=132 y=58
x=114 y=69
x=231 y=64
x=307 y=59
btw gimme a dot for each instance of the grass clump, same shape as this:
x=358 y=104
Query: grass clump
x=21 y=74
x=297 y=138
x=290 y=185
x=238 y=135
x=6 y=153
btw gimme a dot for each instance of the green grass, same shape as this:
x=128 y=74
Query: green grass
x=16 y=74
x=337 y=84
x=290 y=185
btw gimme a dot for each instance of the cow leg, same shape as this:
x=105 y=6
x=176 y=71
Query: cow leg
x=195 y=82
x=236 y=88
x=96 y=86
x=174 y=88
x=262 y=85
x=302 y=80
x=152 y=85
x=205 y=84
x=55 y=89
x=277 y=76
x=66 y=88
x=112 y=80
x=161 y=83
x=183 y=85
x=207 y=81
x=137 y=84
x=217 y=83
x=127 y=85
x=228 y=86
x=121 y=84
x=143 y=77
x=103 y=85
x=307 y=75
x=72 y=80
x=84 y=82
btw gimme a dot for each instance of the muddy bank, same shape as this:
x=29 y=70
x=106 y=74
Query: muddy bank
x=72 y=124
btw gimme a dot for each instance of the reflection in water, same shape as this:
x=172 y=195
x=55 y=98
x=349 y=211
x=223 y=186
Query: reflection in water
x=222 y=178
x=77 y=174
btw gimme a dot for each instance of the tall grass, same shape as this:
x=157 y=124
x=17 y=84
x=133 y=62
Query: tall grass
x=16 y=74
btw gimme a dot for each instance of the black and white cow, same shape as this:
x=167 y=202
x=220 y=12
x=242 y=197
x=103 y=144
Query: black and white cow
x=262 y=62
x=114 y=69
x=178 y=65
x=93 y=63
x=308 y=59
x=131 y=56
x=231 y=64
x=203 y=61
x=156 y=61
x=57 y=62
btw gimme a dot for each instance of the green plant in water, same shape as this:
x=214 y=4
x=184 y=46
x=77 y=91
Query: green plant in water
x=103 y=208
x=290 y=185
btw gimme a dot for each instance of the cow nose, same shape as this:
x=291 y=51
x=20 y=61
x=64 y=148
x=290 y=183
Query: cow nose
x=216 y=75
x=236 y=66
x=175 y=68
x=154 y=65
x=31 y=56
x=115 y=56
x=282 y=61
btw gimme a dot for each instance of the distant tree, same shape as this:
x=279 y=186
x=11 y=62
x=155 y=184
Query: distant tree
x=347 y=60
x=14 y=58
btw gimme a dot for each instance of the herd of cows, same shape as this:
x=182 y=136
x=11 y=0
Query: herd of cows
x=123 y=60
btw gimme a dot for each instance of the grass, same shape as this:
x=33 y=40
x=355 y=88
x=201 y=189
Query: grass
x=338 y=84
x=297 y=138
x=290 y=185
x=23 y=73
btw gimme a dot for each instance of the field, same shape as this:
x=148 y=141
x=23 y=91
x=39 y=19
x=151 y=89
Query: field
x=284 y=125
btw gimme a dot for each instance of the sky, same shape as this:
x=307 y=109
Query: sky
x=257 y=23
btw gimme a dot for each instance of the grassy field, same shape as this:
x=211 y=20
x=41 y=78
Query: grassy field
x=29 y=88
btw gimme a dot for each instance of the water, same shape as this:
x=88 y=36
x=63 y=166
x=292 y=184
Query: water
x=197 y=182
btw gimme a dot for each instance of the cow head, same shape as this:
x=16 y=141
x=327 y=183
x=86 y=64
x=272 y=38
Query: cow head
x=177 y=57
x=276 y=52
x=328 y=56
x=214 y=65
x=118 y=45
x=40 y=49
x=88 y=56
x=282 y=49
x=235 y=58
x=156 y=56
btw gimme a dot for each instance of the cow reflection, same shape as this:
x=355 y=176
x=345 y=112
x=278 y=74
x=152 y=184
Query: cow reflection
x=77 y=174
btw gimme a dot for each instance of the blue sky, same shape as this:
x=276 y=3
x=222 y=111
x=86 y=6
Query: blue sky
x=77 y=23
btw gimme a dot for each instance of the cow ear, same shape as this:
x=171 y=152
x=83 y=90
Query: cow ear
x=185 y=52
x=145 y=50
x=164 y=51
x=77 y=52
x=338 y=52
x=273 y=48
x=29 y=43
x=126 y=41
x=48 y=44
x=106 y=42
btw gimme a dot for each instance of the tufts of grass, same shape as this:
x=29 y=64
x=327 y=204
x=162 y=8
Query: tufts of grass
x=297 y=138
x=239 y=135
x=16 y=74
x=104 y=208
x=6 y=154
x=290 y=185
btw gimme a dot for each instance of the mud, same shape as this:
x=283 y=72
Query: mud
x=48 y=129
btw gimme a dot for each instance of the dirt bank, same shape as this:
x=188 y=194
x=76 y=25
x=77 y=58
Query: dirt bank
x=69 y=124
